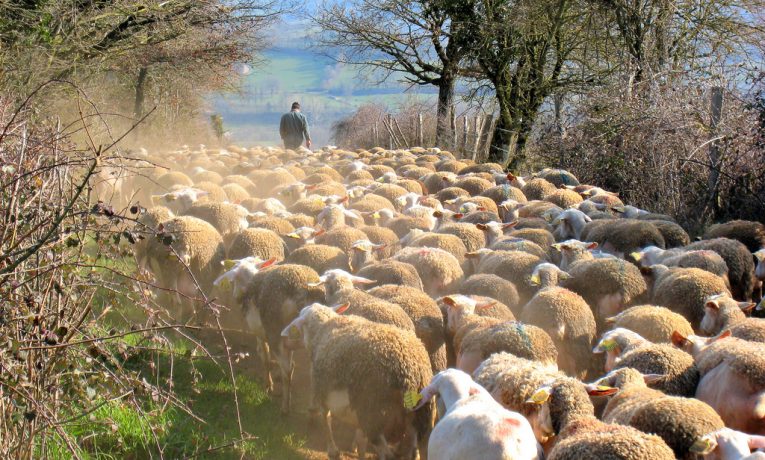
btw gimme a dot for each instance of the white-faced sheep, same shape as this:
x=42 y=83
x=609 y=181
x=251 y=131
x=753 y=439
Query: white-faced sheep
x=475 y=425
x=365 y=370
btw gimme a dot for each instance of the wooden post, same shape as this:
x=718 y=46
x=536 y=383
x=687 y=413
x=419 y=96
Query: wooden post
x=452 y=129
x=715 y=109
x=420 y=133
x=485 y=137
x=477 y=134
x=465 y=131
x=390 y=132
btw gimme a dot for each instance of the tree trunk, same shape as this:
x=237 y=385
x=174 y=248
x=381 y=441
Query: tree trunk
x=445 y=100
x=505 y=133
x=140 y=92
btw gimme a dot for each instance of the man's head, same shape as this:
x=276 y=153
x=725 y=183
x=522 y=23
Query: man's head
x=296 y=106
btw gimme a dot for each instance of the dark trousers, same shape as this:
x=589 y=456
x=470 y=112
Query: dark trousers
x=292 y=144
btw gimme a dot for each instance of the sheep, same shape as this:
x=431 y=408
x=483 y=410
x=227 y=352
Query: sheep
x=564 y=198
x=385 y=238
x=198 y=246
x=147 y=227
x=514 y=266
x=451 y=193
x=721 y=313
x=538 y=189
x=749 y=233
x=337 y=216
x=474 y=425
x=540 y=236
x=727 y=444
x=481 y=167
x=319 y=257
x=278 y=225
x=625 y=348
x=272 y=300
x=341 y=237
x=573 y=251
x=363 y=252
x=340 y=288
x=525 y=341
x=678 y=421
x=624 y=236
x=489 y=285
x=473 y=238
x=739 y=261
x=439 y=270
x=391 y=272
x=570 y=224
x=229 y=219
x=674 y=235
x=733 y=382
x=566 y=411
x=180 y=200
x=607 y=285
x=424 y=313
x=654 y=323
x=567 y=318
x=683 y=290
x=169 y=179
x=703 y=259
x=502 y=193
x=235 y=193
x=256 y=242
x=366 y=370
x=215 y=192
x=446 y=242
x=512 y=380
x=558 y=177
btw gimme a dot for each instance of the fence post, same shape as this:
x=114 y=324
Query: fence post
x=420 y=133
x=390 y=131
x=485 y=136
x=477 y=134
x=465 y=132
x=453 y=129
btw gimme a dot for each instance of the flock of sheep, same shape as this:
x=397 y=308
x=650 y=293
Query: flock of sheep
x=455 y=311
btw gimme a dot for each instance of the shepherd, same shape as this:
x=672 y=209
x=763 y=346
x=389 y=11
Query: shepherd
x=293 y=128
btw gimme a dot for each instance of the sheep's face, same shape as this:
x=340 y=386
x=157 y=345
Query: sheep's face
x=541 y=417
x=759 y=272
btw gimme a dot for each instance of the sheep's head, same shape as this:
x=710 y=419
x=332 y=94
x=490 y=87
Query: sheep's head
x=615 y=342
x=727 y=443
x=458 y=306
x=294 y=334
x=336 y=280
x=694 y=344
x=721 y=311
x=238 y=274
x=546 y=275
x=305 y=235
x=621 y=379
x=570 y=223
x=759 y=272
x=362 y=252
x=180 y=200
x=647 y=256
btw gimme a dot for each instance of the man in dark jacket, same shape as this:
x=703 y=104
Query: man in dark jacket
x=293 y=128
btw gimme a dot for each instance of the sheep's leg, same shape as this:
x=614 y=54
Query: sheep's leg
x=381 y=446
x=265 y=355
x=361 y=443
x=407 y=448
x=287 y=367
x=332 y=451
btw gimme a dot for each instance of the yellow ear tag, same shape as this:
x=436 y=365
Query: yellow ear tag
x=535 y=280
x=540 y=396
x=702 y=446
x=607 y=345
x=294 y=333
x=411 y=398
x=225 y=284
x=603 y=388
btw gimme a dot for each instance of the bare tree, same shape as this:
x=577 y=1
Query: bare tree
x=421 y=43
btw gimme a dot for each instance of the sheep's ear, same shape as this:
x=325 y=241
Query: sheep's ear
x=268 y=263
x=679 y=340
x=481 y=227
x=155 y=199
x=361 y=280
x=756 y=441
x=510 y=176
x=606 y=345
x=319 y=232
x=712 y=305
x=611 y=320
x=448 y=300
x=293 y=235
x=228 y=264
x=485 y=304
x=472 y=255
x=646 y=271
x=509 y=225
x=343 y=199
x=636 y=256
x=311 y=186
x=747 y=307
x=650 y=379
x=592 y=246
x=725 y=334
x=458 y=215
x=563 y=275
x=342 y=308
x=601 y=390
x=534 y=280
x=705 y=445
x=438 y=214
